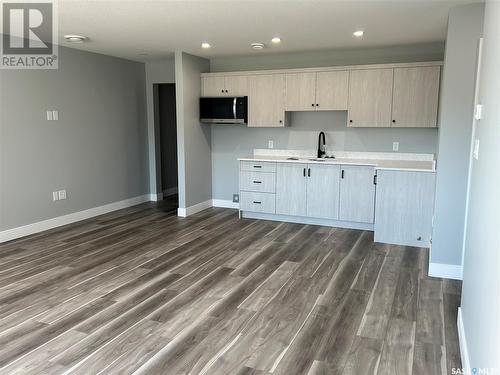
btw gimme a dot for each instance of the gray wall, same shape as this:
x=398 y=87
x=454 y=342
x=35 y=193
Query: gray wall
x=465 y=27
x=375 y=55
x=481 y=285
x=97 y=150
x=161 y=71
x=193 y=138
x=230 y=141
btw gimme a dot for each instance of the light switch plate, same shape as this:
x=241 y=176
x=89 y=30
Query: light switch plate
x=479 y=112
x=395 y=146
x=55 y=196
x=62 y=194
x=270 y=143
x=55 y=115
x=50 y=115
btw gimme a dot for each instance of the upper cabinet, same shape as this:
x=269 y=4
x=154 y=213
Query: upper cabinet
x=370 y=98
x=300 y=93
x=332 y=90
x=415 y=97
x=224 y=86
x=266 y=100
x=385 y=95
x=321 y=91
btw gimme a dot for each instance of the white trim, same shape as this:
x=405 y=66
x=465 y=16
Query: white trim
x=155 y=197
x=464 y=351
x=445 y=271
x=324 y=69
x=223 y=203
x=184 y=212
x=26 y=230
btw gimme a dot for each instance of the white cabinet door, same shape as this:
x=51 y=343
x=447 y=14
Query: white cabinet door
x=332 y=91
x=236 y=85
x=370 y=98
x=212 y=86
x=300 y=93
x=416 y=96
x=357 y=194
x=266 y=100
x=323 y=191
x=291 y=189
x=404 y=207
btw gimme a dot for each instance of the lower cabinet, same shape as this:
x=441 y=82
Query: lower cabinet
x=310 y=190
x=404 y=209
x=323 y=191
x=357 y=194
x=291 y=189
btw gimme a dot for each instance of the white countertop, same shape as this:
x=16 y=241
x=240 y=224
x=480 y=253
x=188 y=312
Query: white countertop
x=388 y=164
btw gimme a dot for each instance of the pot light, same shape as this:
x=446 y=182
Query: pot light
x=276 y=39
x=75 y=38
x=258 y=46
x=205 y=45
x=358 y=33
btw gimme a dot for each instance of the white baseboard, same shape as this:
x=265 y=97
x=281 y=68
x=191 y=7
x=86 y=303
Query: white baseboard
x=225 y=203
x=445 y=271
x=184 y=212
x=26 y=230
x=155 y=197
x=464 y=351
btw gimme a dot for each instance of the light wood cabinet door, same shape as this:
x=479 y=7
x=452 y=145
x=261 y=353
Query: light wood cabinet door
x=323 y=185
x=300 y=93
x=370 y=98
x=212 y=86
x=266 y=100
x=357 y=194
x=236 y=85
x=291 y=189
x=416 y=96
x=332 y=91
x=404 y=207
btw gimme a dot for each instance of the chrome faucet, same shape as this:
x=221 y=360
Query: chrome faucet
x=321 y=145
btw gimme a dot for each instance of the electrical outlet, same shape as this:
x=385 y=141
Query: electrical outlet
x=55 y=196
x=55 y=115
x=395 y=146
x=236 y=198
x=62 y=194
x=270 y=143
x=476 y=149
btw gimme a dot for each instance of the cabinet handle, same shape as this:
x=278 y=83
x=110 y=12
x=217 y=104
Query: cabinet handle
x=257 y=202
x=221 y=90
x=394 y=121
x=226 y=90
x=257 y=182
x=317 y=105
x=350 y=121
x=257 y=166
x=281 y=121
x=342 y=174
x=374 y=179
x=304 y=172
x=308 y=172
x=312 y=105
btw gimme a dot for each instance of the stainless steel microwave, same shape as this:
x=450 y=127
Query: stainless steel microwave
x=224 y=110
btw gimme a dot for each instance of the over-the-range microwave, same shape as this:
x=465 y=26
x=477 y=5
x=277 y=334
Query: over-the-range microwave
x=224 y=110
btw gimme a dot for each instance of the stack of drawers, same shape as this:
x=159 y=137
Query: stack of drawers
x=258 y=186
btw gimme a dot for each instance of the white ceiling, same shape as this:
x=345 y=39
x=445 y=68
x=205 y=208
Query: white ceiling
x=129 y=28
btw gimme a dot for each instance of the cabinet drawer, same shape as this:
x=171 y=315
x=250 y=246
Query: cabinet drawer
x=257 y=202
x=264 y=182
x=262 y=166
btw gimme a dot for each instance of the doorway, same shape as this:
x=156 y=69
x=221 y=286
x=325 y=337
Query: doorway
x=167 y=131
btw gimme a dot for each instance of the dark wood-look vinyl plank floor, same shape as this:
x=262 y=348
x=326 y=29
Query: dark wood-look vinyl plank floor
x=142 y=291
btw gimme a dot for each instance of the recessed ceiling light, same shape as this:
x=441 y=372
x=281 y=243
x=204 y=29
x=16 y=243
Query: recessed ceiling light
x=75 y=38
x=258 y=46
x=358 y=33
x=205 y=45
x=276 y=39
